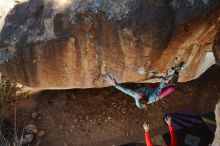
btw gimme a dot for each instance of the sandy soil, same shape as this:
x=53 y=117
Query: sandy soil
x=105 y=117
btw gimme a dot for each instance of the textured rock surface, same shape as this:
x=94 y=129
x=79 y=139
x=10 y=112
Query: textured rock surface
x=216 y=47
x=216 y=141
x=73 y=44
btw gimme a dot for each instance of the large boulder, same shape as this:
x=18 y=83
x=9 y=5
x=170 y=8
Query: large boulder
x=74 y=44
x=216 y=141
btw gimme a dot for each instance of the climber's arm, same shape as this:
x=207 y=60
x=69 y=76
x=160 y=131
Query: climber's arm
x=147 y=134
x=173 y=136
x=148 y=139
x=168 y=120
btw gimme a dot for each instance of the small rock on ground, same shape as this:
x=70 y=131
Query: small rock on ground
x=31 y=129
x=35 y=115
x=28 y=139
x=41 y=133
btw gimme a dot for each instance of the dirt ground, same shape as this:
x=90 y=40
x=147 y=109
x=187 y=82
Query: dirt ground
x=106 y=117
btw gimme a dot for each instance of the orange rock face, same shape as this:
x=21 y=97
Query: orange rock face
x=75 y=44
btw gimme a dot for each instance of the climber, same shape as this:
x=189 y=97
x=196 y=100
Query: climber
x=148 y=95
x=168 y=120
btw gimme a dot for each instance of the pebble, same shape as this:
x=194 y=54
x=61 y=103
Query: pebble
x=28 y=139
x=38 y=143
x=123 y=110
x=31 y=129
x=61 y=127
x=35 y=115
x=214 y=86
x=109 y=118
x=41 y=133
x=124 y=102
x=74 y=97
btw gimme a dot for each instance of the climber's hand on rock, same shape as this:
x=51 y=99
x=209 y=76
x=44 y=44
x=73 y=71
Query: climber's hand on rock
x=111 y=80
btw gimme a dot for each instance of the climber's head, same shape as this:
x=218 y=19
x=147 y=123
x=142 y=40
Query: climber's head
x=143 y=99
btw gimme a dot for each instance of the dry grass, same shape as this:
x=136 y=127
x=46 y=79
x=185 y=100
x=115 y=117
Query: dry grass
x=8 y=92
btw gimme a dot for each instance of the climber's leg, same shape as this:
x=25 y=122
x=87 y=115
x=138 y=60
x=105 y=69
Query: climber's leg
x=166 y=91
x=174 y=79
x=176 y=70
x=154 y=95
x=172 y=84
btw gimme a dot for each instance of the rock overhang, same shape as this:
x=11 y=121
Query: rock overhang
x=74 y=44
